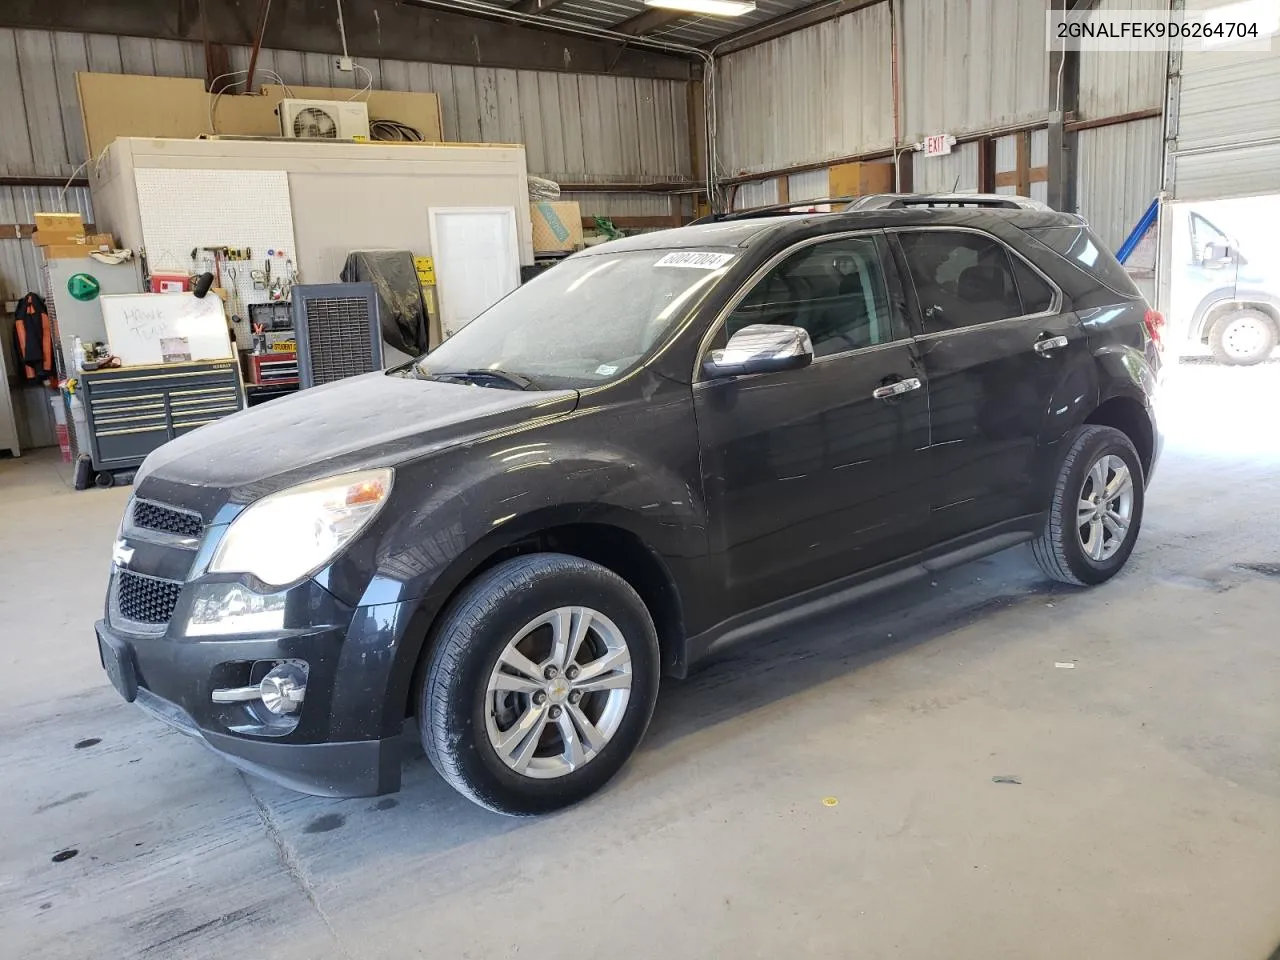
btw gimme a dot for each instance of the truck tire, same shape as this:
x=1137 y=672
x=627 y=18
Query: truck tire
x=540 y=684
x=1242 y=338
x=1095 y=508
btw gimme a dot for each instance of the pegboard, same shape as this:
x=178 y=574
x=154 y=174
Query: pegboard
x=184 y=210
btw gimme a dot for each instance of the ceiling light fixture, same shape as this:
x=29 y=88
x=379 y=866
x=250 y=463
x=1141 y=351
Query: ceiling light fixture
x=713 y=8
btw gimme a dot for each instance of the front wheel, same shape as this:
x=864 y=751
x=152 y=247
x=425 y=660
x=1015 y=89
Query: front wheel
x=1242 y=338
x=1095 y=510
x=540 y=685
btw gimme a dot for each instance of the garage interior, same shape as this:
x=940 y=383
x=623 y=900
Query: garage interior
x=984 y=765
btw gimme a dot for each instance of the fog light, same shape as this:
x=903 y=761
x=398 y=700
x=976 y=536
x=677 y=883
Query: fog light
x=283 y=688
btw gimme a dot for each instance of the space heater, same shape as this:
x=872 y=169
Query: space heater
x=338 y=331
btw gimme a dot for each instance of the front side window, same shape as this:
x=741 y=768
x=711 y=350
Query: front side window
x=835 y=290
x=961 y=279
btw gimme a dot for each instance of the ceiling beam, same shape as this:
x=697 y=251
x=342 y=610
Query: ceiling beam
x=649 y=21
x=535 y=6
x=375 y=29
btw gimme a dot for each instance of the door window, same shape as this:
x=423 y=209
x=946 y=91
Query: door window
x=834 y=290
x=1037 y=296
x=961 y=279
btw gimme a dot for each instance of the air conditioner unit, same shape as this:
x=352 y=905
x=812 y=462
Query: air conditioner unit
x=338 y=329
x=324 y=119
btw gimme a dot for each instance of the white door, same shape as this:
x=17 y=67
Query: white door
x=477 y=260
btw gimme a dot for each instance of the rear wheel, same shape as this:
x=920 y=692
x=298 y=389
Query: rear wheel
x=541 y=685
x=1095 y=511
x=1242 y=337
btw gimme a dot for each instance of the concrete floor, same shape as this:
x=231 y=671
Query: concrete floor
x=1146 y=823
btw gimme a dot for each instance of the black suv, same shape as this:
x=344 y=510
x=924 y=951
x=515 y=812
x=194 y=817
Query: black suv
x=660 y=445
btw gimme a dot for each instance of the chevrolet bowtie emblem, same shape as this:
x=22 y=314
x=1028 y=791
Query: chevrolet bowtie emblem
x=121 y=553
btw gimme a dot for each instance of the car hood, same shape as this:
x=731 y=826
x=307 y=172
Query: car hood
x=365 y=421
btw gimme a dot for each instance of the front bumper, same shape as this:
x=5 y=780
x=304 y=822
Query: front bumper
x=356 y=768
x=346 y=741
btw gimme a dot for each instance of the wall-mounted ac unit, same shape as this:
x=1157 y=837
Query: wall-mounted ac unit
x=323 y=119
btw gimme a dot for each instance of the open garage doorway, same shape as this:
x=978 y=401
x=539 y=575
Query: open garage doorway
x=1223 y=323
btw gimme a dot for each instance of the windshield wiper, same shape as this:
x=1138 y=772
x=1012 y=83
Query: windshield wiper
x=502 y=376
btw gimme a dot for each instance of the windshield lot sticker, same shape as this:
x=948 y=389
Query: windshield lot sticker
x=606 y=369
x=699 y=261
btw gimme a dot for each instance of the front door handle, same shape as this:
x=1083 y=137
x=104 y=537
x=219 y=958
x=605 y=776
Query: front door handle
x=896 y=389
x=1050 y=343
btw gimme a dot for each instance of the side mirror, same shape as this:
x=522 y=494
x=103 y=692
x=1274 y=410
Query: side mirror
x=1218 y=254
x=760 y=348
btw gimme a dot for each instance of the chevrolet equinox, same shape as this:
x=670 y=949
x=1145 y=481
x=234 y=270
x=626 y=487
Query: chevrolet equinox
x=661 y=445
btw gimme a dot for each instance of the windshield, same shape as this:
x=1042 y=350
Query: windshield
x=585 y=321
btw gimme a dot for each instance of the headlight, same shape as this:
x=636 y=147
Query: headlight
x=287 y=535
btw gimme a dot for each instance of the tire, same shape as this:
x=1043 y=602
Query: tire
x=1242 y=338
x=461 y=716
x=1067 y=550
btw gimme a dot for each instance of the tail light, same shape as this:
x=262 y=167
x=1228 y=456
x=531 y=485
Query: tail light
x=1154 y=322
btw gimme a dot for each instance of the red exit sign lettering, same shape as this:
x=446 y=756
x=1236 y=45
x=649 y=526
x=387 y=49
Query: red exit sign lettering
x=937 y=144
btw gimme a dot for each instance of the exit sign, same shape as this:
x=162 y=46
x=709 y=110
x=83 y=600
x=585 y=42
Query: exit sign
x=938 y=144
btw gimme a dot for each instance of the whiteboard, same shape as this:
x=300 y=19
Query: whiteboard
x=477 y=260
x=147 y=328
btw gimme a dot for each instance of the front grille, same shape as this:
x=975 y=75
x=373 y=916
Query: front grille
x=146 y=599
x=152 y=516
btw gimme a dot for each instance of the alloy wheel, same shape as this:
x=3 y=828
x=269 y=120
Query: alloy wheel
x=558 y=692
x=1105 y=509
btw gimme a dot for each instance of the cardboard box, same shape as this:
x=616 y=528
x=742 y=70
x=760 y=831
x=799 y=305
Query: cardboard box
x=557 y=226
x=79 y=246
x=859 y=179
x=54 y=228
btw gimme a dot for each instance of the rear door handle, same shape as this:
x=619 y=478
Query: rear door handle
x=1050 y=343
x=896 y=389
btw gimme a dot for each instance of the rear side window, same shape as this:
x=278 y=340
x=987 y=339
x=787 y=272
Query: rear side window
x=1081 y=247
x=961 y=279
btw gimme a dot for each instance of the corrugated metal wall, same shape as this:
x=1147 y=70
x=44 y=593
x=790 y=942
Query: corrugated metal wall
x=759 y=194
x=816 y=94
x=972 y=65
x=1118 y=175
x=1120 y=82
x=810 y=185
x=575 y=127
x=951 y=172
x=19 y=263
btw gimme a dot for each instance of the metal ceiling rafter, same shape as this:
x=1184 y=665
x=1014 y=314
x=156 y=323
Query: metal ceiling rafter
x=649 y=21
x=535 y=6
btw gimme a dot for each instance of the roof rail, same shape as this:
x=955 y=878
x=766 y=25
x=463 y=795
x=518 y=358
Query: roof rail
x=989 y=201
x=885 y=201
x=779 y=209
